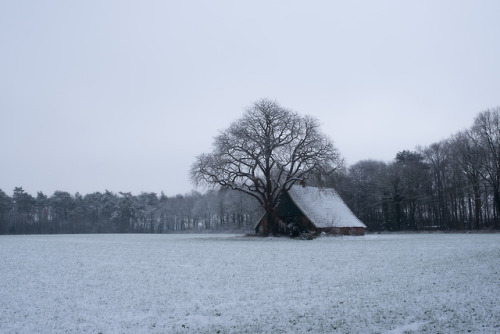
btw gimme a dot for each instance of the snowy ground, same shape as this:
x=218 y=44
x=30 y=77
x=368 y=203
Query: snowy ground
x=446 y=283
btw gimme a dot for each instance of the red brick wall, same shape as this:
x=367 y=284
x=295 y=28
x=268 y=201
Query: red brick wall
x=343 y=230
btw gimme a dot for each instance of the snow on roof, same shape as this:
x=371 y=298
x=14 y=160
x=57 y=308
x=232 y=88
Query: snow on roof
x=323 y=207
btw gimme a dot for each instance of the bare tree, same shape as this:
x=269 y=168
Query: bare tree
x=438 y=156
x=367 y=185
x=486 y=136
x=468 y=157
x=264 y=153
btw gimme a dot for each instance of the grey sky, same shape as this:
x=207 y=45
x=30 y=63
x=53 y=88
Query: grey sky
x=122 y=95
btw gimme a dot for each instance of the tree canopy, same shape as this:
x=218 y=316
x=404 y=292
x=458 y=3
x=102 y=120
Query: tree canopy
x=264 y=153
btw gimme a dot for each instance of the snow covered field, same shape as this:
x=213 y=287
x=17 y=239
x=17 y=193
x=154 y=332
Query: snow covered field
x=400 y=283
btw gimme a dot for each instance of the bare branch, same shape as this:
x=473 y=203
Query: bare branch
x=265 y=152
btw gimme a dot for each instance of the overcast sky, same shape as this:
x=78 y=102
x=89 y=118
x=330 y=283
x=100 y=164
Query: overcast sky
x=122 y=95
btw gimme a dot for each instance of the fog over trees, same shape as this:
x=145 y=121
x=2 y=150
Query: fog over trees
x=453 y=184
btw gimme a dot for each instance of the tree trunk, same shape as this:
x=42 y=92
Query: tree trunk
x=271 y=226
x=477 y=206
x=496 y=199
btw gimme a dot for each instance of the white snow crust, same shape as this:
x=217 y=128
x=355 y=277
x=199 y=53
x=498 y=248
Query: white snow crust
x=399 y=283
x=324 y=207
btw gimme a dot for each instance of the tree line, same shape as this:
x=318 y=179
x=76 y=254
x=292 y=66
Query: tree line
x=110 y=212
x=452 y=184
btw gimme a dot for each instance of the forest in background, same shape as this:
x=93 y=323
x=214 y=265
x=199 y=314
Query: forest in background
x=453 y=184
x=110 y=212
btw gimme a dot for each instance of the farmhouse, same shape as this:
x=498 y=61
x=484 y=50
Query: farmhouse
x=316 y=210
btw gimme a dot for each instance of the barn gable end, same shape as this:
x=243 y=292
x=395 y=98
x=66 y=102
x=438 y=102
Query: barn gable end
x=320 y=210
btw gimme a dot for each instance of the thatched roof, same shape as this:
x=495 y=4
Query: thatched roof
x=323 y=207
